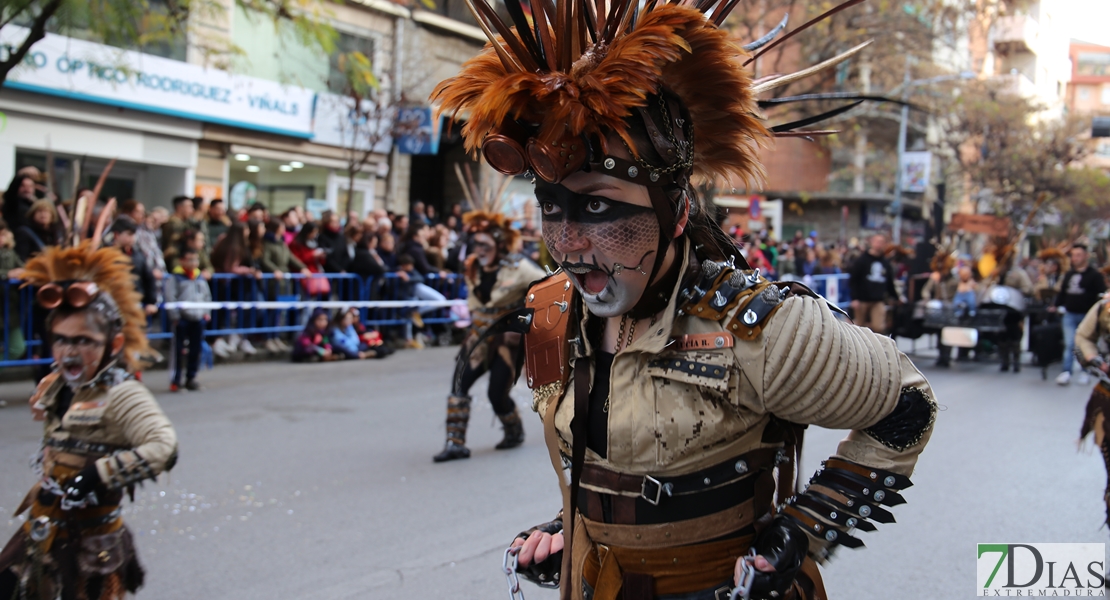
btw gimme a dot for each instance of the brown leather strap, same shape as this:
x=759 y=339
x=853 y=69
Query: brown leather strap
x=578 y=431
x=679 y=533
x=551 y=437
x=614 y=482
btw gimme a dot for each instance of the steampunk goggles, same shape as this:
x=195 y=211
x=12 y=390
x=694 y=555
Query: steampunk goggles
x=77 y=294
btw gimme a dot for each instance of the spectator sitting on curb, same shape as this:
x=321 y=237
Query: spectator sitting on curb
x=313 y=344
x=345 y=338
x=186 y=284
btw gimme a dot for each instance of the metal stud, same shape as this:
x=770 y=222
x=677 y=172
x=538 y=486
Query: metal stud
x=633 y=171
x=851 y=522
x=889 y=481
x=529 y=382
x=532 y=297
x=880 y=496
x=609 y=163
x=719 y=341
x=865 y=511
x=654 y=176
x=832 y=515
x=830 y=535
x=706 y=481
x=741 y=466
x=866 y=491
x=750 y=317
x=874 y=475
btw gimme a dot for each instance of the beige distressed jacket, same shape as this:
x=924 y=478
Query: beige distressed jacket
x=125 y=416
x=1095 y=325
x=806 y=367
x=513 y=279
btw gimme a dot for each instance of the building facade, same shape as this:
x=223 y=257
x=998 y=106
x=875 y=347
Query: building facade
x=270 y=125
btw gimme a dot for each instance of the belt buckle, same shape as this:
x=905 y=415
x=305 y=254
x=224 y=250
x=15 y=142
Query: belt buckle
x=646 y=494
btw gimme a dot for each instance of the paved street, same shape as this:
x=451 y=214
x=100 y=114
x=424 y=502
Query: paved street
x=316 y=481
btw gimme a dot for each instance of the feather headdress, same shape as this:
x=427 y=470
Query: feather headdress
x=110 y=270
x=546 y=93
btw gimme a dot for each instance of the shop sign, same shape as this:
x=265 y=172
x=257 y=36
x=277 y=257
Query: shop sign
x=208 y=191
x=987 y=224
x=72 y=68
x=336 y=123
x=416 y=132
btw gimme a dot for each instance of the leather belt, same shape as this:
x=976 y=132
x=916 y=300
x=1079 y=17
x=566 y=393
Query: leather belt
x=84 y=447
x=654 y=489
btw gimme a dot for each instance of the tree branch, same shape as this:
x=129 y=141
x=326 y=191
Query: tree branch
x=37 y=33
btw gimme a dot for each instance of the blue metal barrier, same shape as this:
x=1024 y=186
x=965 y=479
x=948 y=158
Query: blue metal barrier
x=20 y=315
x=22 y=319
x=837 y=284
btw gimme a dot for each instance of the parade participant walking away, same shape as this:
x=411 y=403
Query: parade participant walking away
x=187 y=284
x=674 y=383
x=1079 y=291
x=1092 y=341
x=103 y=433
x=943 y=286
x=497 y=278
x=1009 y=345
x=871 y=282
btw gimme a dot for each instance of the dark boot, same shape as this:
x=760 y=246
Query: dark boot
x=458 y=415
x=514 y=431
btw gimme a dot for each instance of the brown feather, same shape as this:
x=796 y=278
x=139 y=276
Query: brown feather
x=673 y=46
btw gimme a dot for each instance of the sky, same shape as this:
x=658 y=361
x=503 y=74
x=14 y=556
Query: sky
x=1087 y=20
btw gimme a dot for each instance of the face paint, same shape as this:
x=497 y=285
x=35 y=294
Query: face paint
x=485 y=249
x=78 y=348
x=607 y=245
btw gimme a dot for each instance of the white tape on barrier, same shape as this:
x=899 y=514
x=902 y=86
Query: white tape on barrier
x=317 y=304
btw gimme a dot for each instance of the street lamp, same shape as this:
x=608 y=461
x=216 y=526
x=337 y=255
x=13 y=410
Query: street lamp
x=896 y=206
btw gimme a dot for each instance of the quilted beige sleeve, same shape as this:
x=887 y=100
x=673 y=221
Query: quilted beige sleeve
x=819 y=370
x=136 y=417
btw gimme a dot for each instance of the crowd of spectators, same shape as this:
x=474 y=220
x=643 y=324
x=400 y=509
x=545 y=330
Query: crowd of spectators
x=176 y=251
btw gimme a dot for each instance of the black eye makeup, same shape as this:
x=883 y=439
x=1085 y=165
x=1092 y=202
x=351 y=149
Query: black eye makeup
x=557 y=203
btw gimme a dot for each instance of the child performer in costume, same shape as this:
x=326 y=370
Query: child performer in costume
x=674 y=383
x=104 y=432
x=497 y=278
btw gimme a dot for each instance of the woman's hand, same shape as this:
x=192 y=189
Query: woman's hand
x=538 y=547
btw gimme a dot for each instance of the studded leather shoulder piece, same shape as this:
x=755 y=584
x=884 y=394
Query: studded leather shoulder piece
x=723 y=290
x=546 y=345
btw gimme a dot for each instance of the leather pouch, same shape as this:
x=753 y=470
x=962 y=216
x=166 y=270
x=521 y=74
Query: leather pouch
x=101 y=554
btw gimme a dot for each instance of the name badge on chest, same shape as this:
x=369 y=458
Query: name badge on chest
x=704 y=341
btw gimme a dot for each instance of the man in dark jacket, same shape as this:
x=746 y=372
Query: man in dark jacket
x=871 y=282
x=1081 y=288
x=123 y=237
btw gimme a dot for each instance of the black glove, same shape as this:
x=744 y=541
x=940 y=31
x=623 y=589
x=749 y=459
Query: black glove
x=80 y=490
x=784 y=545
x=546 y=572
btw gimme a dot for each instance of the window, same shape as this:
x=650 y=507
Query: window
x=1106 y=94
x=1093 y=63
x=347 y=43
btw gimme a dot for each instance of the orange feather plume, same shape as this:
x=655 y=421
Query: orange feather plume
x=673 y=47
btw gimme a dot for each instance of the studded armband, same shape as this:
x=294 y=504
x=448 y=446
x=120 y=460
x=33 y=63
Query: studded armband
x=722 y=290
x=128 y=467
x=842 y=497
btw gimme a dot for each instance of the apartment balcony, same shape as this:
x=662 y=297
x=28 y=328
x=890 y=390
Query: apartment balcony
x=1016 y=84
x=1016 y=34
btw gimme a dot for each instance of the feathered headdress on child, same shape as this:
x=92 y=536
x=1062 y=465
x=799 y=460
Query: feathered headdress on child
x=81 y=275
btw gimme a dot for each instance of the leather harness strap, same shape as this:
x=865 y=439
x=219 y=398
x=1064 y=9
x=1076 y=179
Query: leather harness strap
x=678 y=533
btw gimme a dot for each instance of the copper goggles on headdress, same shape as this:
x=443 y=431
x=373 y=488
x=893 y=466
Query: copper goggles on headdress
x=77 y=294
x=512 y=151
